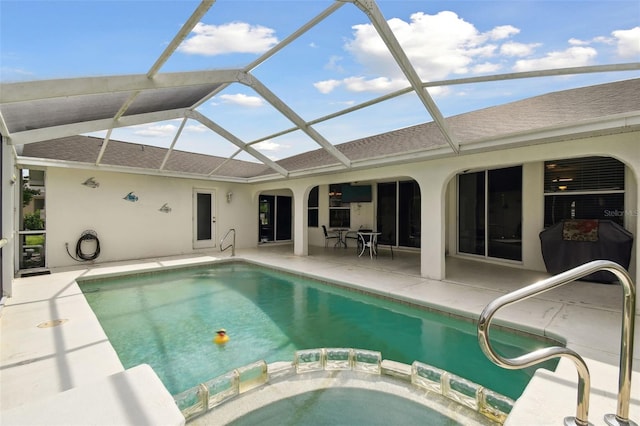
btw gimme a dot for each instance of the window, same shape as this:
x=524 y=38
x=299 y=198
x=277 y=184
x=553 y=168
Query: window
x=583 y=188
x=312 y=208
x=490 y=213
x=32 y=234
x=339 y=211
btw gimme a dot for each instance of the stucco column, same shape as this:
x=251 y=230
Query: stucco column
x=8 y=227
x=300 y=231
x=432 y=224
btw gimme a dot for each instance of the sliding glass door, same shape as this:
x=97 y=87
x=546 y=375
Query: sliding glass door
x=387 y=213
x=275 y=218
x=490 y=213
x=471 y=213
x=398 y=213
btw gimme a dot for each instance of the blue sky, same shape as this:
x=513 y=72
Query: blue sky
x=337 y=64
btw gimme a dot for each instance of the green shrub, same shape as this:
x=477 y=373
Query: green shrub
x=32 y=221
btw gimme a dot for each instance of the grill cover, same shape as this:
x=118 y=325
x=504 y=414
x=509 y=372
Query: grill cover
x=571 y=243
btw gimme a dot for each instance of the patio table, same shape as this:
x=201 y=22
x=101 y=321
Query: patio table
x=342 y=232
x=370 y=242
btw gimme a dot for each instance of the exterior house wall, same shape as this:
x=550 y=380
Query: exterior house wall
x=137 y=230
x=437 y=179
x=438 y=192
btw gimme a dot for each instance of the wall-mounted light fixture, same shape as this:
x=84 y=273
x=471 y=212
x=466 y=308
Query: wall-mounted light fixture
x=229 y=196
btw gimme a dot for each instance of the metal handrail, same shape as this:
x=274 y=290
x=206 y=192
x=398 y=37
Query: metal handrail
x=232 y=245
x=584 y=382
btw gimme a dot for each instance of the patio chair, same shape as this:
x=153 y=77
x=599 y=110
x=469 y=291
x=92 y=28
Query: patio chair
x=330 y=236
x=386 y=240
x=351 y=235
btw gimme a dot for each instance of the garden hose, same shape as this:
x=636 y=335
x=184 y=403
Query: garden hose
x=88 y=235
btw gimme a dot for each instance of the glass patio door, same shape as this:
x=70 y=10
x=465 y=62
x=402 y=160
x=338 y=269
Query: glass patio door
x=398 y=213
x=490 y=213
x=204 y=219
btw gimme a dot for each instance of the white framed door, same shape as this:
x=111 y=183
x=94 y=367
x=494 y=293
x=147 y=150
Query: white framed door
x=204 y=218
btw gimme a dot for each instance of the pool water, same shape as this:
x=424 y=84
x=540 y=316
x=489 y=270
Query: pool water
x=335 y=406
x=168 y=320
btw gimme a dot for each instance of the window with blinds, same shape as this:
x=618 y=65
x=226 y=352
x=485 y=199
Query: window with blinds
x=583 y=188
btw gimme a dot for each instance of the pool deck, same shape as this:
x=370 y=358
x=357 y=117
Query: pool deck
x=38 y=363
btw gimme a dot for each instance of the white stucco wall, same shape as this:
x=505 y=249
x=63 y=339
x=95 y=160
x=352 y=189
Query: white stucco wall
x=133 y=230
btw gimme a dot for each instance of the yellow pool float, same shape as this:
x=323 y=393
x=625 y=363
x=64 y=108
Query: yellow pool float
x=221 y=337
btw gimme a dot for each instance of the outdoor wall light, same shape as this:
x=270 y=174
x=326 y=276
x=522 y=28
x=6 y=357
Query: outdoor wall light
x=229 y=196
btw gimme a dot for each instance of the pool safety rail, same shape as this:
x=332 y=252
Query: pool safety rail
x=232 y=244
x=206 y=396
x=621 y=418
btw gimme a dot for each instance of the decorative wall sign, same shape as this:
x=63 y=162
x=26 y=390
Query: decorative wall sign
x=91 y=183
x=165 y=208
x=131 y=197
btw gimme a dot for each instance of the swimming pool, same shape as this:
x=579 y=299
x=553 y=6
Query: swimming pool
x=168 y=320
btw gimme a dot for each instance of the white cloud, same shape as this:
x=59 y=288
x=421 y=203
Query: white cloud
x=327 y=86
x=502 y=32
x=234 y=37
x=628 y=42
x=333 y=64
x=344 y=103
x=604 y=40
x=380 y=84
x=270 y=146
x=243 y=100
x=157 y=130
x=518 y=49
x=362 y=84
x=196 y=128
x=486 y=68
x=443 y=45
x=578 y=42
x=572 y=57
x=437 y=45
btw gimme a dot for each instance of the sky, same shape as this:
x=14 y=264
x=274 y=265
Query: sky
x=337 y=64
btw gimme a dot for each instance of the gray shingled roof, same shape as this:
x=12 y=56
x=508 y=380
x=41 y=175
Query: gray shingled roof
x=564 y=108
x=568 y=107
x=85 y=149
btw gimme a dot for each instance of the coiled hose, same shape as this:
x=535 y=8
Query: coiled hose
x=88 y=235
